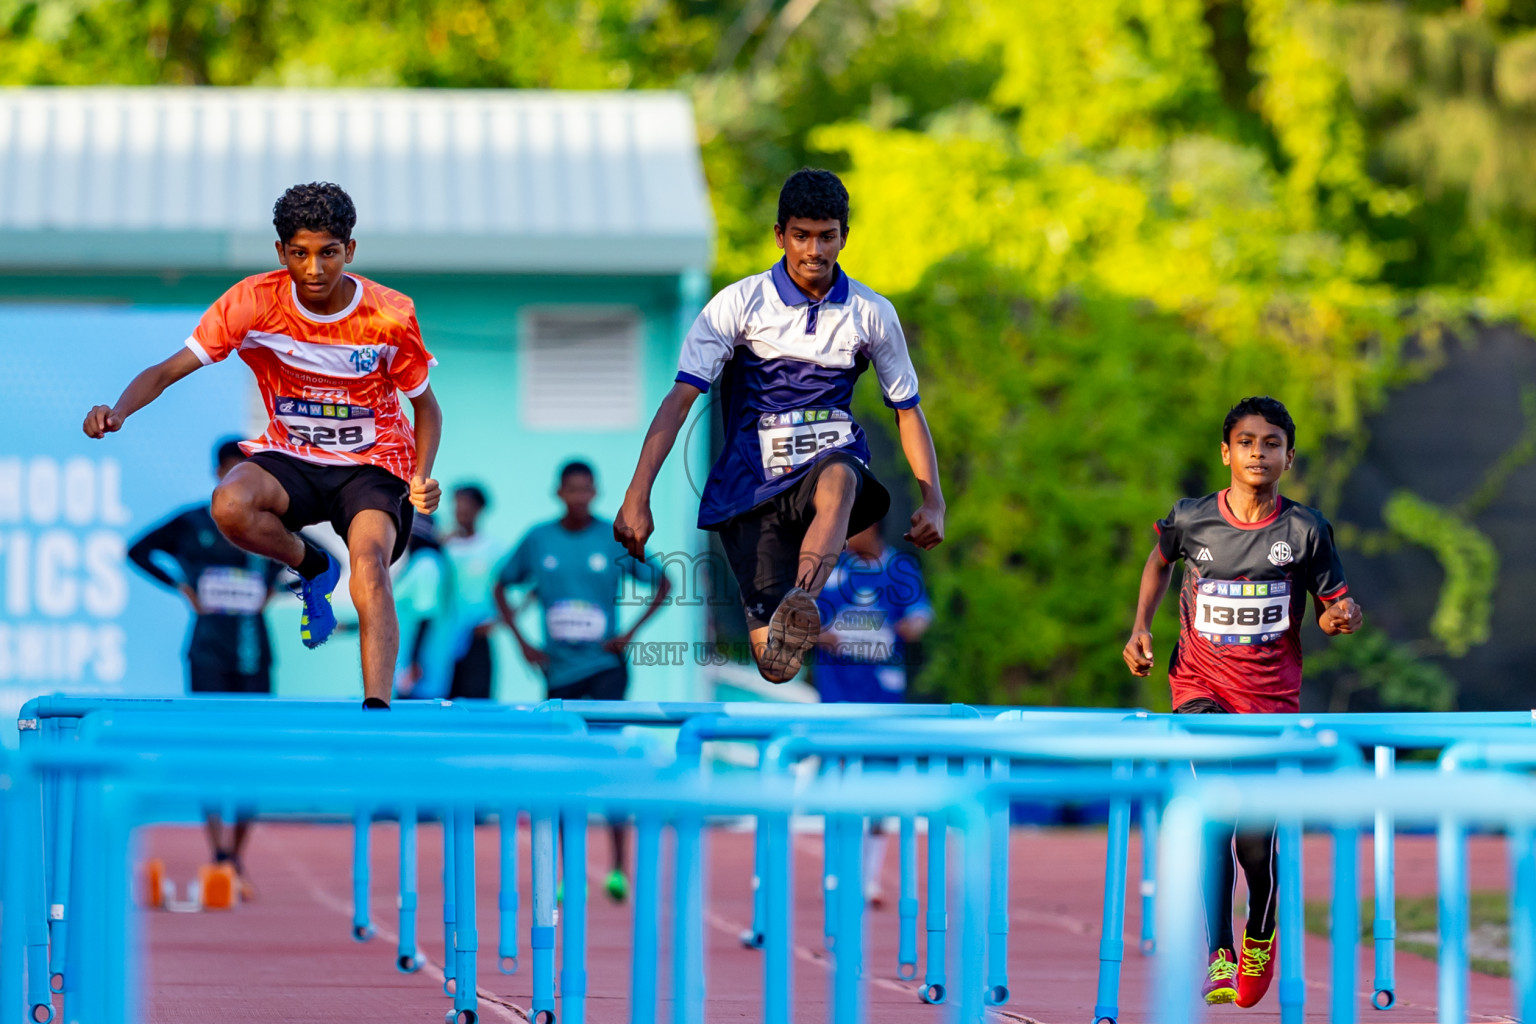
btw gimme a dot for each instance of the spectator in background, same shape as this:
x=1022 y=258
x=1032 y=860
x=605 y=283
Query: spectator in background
x=472 y=559
x=227 y=589
x=423 y=603
x=574 y=567
x=874 y=605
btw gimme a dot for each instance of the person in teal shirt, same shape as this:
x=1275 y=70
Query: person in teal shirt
x=575 y=568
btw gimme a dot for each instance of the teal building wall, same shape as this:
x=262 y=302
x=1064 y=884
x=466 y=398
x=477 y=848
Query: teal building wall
x=471 y=324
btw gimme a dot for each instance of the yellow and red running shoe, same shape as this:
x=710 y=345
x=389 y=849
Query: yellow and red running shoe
x=1255 y=969
x=1219 y=977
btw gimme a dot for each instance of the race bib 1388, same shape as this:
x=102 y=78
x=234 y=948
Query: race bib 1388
x=1239 y=612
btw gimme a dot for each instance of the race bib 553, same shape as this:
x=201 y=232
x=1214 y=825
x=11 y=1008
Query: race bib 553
x=791 y=439
x=1239 y=612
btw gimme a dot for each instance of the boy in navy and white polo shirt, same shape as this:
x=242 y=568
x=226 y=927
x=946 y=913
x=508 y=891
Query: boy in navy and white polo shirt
x=1251 y=557
x=786 y=347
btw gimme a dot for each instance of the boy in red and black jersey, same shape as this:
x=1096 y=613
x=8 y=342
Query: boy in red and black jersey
x=1251 y=557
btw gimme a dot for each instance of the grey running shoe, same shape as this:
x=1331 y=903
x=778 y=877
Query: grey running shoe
x=792 y=631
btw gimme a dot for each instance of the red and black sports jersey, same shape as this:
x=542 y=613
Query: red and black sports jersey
x=1244 y=594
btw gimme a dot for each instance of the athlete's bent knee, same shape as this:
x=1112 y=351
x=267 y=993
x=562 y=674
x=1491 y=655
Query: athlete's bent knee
x=231 y=509
x=836 y=482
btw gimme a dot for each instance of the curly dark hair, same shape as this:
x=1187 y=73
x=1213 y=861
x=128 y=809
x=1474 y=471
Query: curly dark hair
x=318 y=206
x=1273 y=411
x=813 y=194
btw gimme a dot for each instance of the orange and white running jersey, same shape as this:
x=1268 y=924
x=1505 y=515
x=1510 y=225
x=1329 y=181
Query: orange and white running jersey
x=328 y=382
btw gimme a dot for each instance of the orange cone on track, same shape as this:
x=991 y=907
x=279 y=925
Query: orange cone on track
x=154 y=884
x=216 y=882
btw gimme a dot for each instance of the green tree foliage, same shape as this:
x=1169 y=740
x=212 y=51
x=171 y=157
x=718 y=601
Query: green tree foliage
x=1103 y=222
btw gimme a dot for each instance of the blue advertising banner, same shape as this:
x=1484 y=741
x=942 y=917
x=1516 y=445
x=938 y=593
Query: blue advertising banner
x=74 y=614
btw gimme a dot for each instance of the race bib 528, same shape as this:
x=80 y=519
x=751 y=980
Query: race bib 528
x=1239 y=612
x=791 y=439
x=348 y=428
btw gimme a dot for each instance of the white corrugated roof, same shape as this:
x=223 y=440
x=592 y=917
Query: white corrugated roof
x=444 y=180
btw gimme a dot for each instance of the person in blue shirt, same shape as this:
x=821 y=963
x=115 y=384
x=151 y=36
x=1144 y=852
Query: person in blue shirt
x=792 y=481
x=875 y=606
x=575 y=568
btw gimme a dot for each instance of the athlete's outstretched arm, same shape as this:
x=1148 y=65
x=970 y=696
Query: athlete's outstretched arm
x=633 y=526
x=1341 y=615
x=1154 y=584
x=427 y=416
x=927 y=530
x=143 y=389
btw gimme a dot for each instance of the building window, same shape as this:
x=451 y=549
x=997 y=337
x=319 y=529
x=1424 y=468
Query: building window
x=581 y=368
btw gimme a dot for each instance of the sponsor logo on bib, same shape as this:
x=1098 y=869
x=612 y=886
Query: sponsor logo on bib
x=1280 y=553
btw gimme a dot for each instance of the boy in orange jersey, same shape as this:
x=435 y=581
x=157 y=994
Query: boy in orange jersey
x=329 y=350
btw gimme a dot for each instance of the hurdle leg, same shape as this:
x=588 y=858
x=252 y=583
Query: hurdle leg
x=1346 y=925
x=848 y=963
x=778 y=938
x=1112 y=941
x=35 y=909
x=687 y=924
x=642 y=982
x=407 y=956
x=541 y=939
x=362 y=925
x=573 y=952
x=752 y=938
x=450 y=908
x=1149 y=815
x=13 y=937
x=974 y=879
x=906 y=906
x=1292 y=923
x=1522 y=921
x=506 y=896
x=830 y=834
x=1384 y=921
x=934 y=978
x=1451 y=854
x=1181 y=885
x=997 y=905
x=58 y=924
x=466 y=934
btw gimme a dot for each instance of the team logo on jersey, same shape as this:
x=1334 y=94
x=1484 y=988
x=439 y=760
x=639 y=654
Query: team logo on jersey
x=1280 y=553
x=1204 y=555
x=597 y=562
x=551 y=563
x=364 y=359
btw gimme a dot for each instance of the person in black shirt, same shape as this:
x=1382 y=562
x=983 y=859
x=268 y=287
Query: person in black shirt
x=229 y=651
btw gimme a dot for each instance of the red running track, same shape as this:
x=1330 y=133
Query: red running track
x=288 y=956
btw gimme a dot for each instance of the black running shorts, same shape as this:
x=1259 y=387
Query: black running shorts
x=336 y=494
x=205 y=678
x=763 y=544
x=605 y=684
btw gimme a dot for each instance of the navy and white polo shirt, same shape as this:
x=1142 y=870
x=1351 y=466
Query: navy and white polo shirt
x=786 y=366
